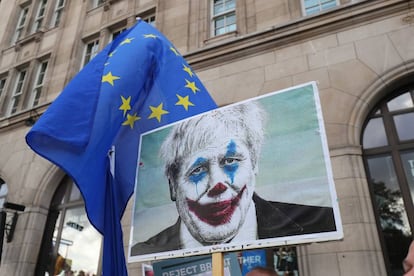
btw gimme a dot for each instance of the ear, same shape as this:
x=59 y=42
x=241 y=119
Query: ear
x=173 y=192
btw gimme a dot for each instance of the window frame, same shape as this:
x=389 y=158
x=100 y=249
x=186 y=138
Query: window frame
x=97 y=3
x=117 y=32
x=149 y=16
x=40 y=16
x=3 y=92
x=3 y=82
x=57 y=13
x=3 y=192
x=63 y=201
x=16 y=97
x=21 y=23
x=224 y=14
x=38 y=84
x=91 y=49
x=395 y=148
x=150 y=19
x=319 y=4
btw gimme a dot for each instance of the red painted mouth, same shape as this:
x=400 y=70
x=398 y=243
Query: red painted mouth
x=215 y=213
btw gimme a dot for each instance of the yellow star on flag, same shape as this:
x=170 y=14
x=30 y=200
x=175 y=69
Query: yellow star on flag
x=188 y=70
x=110 y=78
x=184 y=101
x=192 y=86
x=126 y=104
x=131 y=120
x=174 y=51
x=150 y=36
x=111 y=54
x=126 y=40
x=157 y=112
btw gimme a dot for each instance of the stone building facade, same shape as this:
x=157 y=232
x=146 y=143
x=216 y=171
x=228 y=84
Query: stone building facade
x=360 y=53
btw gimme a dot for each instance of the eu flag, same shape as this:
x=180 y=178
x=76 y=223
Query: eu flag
x=137 y=83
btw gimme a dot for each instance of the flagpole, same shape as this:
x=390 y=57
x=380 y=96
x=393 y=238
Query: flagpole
x=218 y=264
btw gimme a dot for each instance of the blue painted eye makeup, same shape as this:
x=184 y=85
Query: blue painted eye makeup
x=198 y=170
x=230 y=163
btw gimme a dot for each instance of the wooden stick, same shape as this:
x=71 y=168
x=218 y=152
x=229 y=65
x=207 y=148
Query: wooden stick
x=218 y=264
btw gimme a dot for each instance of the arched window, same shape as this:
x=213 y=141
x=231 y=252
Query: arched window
x=388 y=150
x=70 y=242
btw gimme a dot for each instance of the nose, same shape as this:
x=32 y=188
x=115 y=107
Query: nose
x=218 y=180
x=218 y=189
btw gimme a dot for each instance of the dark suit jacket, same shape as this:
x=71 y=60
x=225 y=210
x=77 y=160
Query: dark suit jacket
x=274 y=219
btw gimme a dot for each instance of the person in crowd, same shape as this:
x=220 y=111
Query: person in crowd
x=408 y=262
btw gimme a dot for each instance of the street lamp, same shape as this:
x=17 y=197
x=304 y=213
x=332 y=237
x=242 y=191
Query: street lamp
x=8 y=227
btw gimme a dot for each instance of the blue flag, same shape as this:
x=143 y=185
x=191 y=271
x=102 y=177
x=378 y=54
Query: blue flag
x=137 y=83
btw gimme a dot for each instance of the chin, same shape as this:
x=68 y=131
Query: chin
x=208 y=234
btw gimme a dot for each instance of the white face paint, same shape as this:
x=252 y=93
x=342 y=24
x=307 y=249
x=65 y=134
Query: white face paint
x=214 y=189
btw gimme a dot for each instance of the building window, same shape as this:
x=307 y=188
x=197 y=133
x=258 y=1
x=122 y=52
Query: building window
x=150 y=19
x=224 y=16
x=116 y=33
x=38 y=84
x=70 y=243
x=57 y=13
x=148 y=16
x=40 y=14
x=20 y=24
x=3 y=192
x=2 y=85
x=315 y=6
x=388 y=150
x=97 y=3
x=91 y=51
x=3 y=81
x=3 y=94
x=17 y=92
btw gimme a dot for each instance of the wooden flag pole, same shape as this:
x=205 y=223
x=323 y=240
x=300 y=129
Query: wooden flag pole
x=218 y=264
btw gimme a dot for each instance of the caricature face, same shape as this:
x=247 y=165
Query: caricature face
x=214 y=189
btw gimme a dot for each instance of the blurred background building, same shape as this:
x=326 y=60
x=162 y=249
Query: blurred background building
x=361 y=53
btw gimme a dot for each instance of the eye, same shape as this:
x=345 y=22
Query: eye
x=198 y=173
x=229 y=161
x=197 y=170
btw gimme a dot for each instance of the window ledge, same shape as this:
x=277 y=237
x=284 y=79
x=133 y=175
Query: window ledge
x=22 y=118
x=36 y=37
x=215 y=39
x=222 y=48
